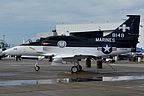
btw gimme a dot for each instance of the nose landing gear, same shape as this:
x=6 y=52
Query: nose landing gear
x=37 y=68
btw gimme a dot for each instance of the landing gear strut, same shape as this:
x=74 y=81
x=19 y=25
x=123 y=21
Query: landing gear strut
x=37 y=68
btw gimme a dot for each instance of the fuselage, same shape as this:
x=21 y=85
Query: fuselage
x=75 y=46
x=24 y=50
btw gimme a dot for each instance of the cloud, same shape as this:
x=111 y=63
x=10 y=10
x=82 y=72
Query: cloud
x=65 y=11
x=33 y=16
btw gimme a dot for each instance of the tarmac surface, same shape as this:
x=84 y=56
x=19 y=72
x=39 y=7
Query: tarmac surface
x=122 y=78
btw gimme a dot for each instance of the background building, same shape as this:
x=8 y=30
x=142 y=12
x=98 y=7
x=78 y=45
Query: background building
x=46 y=34
x=99 y=29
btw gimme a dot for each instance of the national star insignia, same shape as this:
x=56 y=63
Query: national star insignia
x=107 y=48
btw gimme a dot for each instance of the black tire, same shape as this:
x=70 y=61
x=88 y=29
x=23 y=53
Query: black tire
x=109 y=61
x=37 y=68
x=74 y=69
x=113 y=61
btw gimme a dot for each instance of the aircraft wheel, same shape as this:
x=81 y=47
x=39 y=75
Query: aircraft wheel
x=109 y=61
x=74 y=69
x=37 y=68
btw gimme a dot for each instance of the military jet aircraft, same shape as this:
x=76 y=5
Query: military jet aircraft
x=69 y=48
x=3 y=46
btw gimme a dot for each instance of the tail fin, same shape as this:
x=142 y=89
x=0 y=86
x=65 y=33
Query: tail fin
x=127 y=33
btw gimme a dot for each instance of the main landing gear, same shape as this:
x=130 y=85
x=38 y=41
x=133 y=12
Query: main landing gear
x=76 y=68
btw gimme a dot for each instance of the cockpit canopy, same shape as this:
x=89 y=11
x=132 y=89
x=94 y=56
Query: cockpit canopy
x=54 y=38
x=31 y=40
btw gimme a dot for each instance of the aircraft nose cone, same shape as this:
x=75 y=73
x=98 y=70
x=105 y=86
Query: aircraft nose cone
x=7 y=51
x=11 y=51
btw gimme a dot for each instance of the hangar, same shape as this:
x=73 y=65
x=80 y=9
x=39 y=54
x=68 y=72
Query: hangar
x=86 y=30
x=94 y=30
x=91 y=30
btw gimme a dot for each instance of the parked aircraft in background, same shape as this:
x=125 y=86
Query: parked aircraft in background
x=3 y=46
x=69 y=48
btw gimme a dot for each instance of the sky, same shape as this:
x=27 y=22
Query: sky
x=25 y=18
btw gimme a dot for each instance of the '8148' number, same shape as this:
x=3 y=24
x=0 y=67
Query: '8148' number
x=119 y=35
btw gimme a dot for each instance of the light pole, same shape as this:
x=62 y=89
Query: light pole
x=4 y=37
